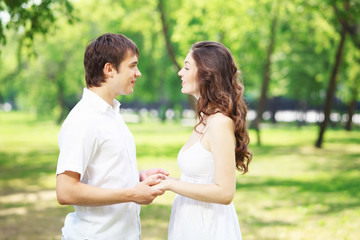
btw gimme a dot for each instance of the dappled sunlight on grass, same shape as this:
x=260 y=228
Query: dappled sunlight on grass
x=154 y=221
x=297 y=191
x=292 y=191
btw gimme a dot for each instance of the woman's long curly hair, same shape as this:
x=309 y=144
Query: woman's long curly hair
x=221 y=91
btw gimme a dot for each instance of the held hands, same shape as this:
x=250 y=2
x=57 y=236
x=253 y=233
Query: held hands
x=163 y=175
x=165 y=184
x=144 y=192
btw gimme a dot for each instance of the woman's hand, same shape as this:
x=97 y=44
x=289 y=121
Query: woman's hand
x=143 y=174
x=166 y=184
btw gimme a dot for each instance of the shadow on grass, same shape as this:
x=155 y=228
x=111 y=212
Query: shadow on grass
x=25 y=165
x=156 y=211
x=313 y=192
x=340 y=183
x=348 y=140
x=257 y=222
x=23 y=172
x=35 y=223
x=338 y=207
x=338 y=162
x=271 y=150
x=155 y=221
x=351 y=162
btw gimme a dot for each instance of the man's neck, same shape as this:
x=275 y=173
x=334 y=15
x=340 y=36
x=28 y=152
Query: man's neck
x=103 y=93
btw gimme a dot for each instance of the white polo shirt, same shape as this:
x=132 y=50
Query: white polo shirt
x=95 y=142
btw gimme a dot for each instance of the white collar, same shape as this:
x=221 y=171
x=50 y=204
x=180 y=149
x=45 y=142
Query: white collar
x=100 y=103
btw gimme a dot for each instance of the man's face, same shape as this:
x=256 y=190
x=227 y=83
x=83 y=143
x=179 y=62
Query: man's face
x=123 y=81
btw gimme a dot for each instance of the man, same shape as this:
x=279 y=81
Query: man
x=97 y=170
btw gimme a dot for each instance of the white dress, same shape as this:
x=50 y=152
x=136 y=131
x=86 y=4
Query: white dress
x=192 y=219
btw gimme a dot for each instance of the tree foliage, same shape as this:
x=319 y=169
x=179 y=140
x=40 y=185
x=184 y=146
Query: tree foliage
x=30 y=17
x=307 y=34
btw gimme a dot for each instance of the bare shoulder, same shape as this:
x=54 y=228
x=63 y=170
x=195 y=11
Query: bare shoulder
x=220 y=131
x=219 y=120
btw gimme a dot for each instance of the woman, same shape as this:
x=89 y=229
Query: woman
x=203 y=207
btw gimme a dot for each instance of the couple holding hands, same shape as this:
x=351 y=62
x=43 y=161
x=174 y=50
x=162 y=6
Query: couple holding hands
x=97 y=170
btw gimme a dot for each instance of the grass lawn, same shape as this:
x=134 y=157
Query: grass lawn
x=293 y=190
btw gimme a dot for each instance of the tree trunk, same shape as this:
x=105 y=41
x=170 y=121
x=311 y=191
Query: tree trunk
x=61 y=101
x=273 y=105
x=331 y=88
x=351 y=111
x=302 y=108
x=58 y=80
x=348 y=17
x=165 y=30
x=263 y=99
x=170 y=48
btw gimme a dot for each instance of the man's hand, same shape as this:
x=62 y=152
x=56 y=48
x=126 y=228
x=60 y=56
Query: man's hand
x=146 y=173
x=144 y=193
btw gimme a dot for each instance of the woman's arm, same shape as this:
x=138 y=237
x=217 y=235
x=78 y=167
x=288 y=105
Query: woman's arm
x=221 y=140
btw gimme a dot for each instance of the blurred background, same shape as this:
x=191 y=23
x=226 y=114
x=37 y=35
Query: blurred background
x=300 y=63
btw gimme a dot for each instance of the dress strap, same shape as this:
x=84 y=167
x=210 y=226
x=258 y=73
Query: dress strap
x=203 y=132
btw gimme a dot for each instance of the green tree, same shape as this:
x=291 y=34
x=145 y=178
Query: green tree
x=343 y=16
x=267 y=69
x=301 y=54
x=21 y=21
x=29 y=18
x=302 y=59
x=349 y=83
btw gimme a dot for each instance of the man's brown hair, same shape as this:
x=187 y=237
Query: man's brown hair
x=108 y=48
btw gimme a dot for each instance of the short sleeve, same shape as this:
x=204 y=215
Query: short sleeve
x=78 y=145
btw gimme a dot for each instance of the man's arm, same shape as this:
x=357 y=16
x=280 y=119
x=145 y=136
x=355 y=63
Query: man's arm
x=70 y=191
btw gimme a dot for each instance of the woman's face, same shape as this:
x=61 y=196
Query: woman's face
x=188 y=76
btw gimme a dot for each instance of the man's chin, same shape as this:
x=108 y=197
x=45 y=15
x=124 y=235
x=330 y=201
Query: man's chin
x=128 y=92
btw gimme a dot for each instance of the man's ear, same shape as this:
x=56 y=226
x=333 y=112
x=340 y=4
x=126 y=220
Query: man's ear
x=108 y=70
